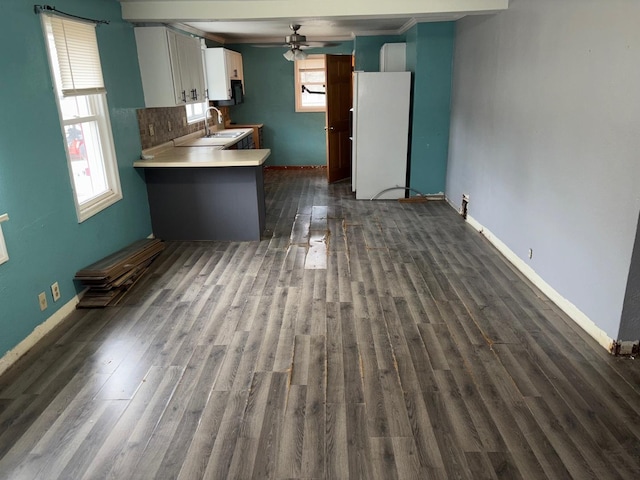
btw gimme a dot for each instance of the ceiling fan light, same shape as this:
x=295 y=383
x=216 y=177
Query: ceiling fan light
x=299 y=54
x=289 y=55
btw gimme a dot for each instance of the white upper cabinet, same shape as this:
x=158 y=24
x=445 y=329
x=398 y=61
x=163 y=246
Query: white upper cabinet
x=222 y=66
x=170 y=67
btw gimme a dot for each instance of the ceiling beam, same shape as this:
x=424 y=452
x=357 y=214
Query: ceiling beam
x=207 y=10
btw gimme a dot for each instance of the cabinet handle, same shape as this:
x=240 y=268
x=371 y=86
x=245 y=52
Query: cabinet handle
x=184 y=96
x=206 y=93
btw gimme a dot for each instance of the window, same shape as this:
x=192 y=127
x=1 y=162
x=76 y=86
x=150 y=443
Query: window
x=310 y=84
x=84 y=117
x=196 y=111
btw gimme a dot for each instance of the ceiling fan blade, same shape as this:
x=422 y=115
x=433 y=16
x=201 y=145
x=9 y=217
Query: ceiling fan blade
x=319 y=44
x=301 y=46
x=271 y=45
x=295 y=40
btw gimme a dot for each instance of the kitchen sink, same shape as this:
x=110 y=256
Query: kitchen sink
x=224 y=135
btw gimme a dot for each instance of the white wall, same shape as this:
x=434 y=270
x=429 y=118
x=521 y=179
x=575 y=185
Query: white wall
x=545 y=138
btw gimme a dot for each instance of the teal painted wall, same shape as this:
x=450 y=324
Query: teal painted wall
x=44 y=240
x=294 y=138
x=430 y=58
x=368 y=51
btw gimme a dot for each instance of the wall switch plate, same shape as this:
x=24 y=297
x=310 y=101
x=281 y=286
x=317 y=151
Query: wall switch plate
x=55 y=291
x=168 y=126
x=152 y=132
x=42 y=298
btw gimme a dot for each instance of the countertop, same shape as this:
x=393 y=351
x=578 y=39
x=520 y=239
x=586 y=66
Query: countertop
x=201 y=153
x=206 y=157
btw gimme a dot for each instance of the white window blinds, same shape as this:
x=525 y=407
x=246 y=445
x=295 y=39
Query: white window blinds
x=77 y=56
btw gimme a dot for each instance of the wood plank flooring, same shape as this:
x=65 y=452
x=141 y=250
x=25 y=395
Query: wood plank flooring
x=357 y=340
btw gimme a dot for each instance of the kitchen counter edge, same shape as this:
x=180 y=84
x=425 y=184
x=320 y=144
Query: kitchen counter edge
x=201 y=157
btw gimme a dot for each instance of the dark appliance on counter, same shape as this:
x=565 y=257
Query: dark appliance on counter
x=237 y=95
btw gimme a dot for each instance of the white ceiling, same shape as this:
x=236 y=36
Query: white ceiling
x=257 y=31
x=257 y=21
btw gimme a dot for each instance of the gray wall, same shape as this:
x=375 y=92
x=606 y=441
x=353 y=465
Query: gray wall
x=545 y=138
x=630 y=325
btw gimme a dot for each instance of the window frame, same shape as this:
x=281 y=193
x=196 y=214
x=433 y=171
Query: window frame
x=99 y=116
x=195 y=118
x=298 y=84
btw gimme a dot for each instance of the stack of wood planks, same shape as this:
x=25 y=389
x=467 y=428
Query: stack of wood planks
x=110 y=278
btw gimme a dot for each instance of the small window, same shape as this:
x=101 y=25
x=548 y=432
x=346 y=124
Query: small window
x=310 y=84
x=84 y=116
x=196 y=111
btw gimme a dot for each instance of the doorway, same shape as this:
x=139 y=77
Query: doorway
x=339 y=75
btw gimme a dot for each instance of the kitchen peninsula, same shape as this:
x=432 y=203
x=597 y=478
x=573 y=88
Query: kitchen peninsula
x=198 y=190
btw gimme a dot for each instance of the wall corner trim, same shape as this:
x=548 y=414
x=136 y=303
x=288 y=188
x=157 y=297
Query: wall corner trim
x=13 y=355
x=565 y=305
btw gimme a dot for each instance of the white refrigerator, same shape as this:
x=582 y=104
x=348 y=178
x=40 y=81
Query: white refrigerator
x=380 y=134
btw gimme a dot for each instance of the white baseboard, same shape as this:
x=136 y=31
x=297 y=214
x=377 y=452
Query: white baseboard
x=565 y=305
x=38 y=333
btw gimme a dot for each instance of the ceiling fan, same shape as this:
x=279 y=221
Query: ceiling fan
x=296 y=44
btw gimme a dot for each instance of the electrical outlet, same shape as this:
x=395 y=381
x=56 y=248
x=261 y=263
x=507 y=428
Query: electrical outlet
x=168 y=126
x=42 y=298
x=55 y=291
x=531 y=253
x=152 y=132
x=184 y=121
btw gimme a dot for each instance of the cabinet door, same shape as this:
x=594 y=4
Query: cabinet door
x=234 y=64
x=216 y=66
x=178 y=67
x=170 y=67
x=192 y=74
x=157 y=68
x=197 y=71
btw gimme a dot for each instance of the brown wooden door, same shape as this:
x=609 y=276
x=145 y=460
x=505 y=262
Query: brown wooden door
x=339 y=101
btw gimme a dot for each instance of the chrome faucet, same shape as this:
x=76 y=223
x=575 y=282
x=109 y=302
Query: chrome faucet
x=207 y=130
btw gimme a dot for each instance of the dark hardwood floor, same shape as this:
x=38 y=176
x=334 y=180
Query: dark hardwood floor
x=372 y=340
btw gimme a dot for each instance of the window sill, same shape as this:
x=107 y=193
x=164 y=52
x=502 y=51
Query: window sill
x=85 y=212
x=191 y=121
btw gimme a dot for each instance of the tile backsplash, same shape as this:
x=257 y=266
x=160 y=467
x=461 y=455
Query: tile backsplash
x=168 y=123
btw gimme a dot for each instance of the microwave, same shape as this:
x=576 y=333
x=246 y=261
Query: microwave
x=237 y=95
